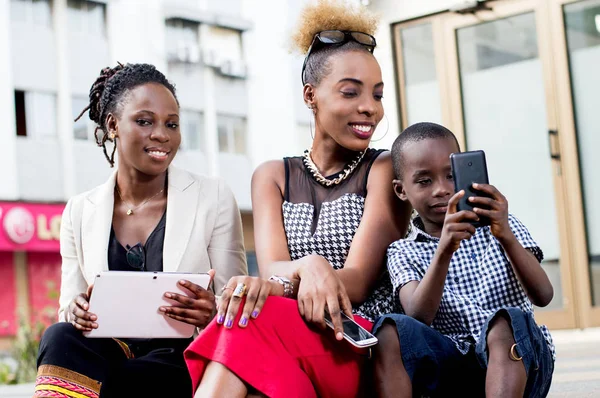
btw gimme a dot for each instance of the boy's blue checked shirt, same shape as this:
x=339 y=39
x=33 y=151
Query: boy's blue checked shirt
x=480 y=279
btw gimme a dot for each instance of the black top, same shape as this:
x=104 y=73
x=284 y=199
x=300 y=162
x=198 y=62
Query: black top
x=117 y=260
x=301 y=186
x=323 y=220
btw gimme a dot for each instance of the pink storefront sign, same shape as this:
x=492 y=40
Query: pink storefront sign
x=30 y=227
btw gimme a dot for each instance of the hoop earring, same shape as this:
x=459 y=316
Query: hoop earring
x=386 y=130
x=310 y=122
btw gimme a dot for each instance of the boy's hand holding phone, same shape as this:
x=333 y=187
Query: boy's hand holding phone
x=496 y=210
x=457 y=225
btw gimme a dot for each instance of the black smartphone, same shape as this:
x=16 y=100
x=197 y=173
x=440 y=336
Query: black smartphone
x=353 y=333
x=468 y=168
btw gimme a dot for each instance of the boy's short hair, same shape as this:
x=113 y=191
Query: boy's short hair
x=414 y=133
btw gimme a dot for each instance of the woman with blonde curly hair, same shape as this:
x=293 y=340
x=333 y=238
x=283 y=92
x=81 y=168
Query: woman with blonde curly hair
x=323 y=222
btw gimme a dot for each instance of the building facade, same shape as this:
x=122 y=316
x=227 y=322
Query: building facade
x=237 y=83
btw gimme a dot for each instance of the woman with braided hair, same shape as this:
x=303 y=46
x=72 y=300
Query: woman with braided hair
x=323 y=222
x=148 y=216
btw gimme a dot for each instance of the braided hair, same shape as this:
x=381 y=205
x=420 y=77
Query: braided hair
x=108 y=94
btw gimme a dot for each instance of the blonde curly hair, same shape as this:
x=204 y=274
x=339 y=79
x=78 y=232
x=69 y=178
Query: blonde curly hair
x=331 y=15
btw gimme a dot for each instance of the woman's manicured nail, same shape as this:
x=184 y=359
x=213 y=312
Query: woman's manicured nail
x=254 y=314
x=229 y=323
x=221 y=318
x=244 y=321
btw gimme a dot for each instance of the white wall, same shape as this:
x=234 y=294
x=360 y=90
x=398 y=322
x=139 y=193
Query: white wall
x=8 y=161
x=189 y=85
x=136 y=32
x=33 y=56
x=91 y=167
x=40 y=169
x=230 y=96
x=271 y=85
x=236 y=171
x=401 y=10
x=85 y=69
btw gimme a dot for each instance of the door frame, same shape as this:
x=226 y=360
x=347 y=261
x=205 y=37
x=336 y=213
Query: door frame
x=440 y=69
x=553 y=53
x=588 y=315
x=562 y=167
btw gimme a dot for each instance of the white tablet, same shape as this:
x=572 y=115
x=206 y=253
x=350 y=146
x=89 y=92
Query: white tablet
x=127 y=302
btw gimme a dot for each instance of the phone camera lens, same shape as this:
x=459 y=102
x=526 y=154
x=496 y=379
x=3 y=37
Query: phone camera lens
x=470 y=164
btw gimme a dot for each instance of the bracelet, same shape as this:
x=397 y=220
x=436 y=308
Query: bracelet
x=288 y=287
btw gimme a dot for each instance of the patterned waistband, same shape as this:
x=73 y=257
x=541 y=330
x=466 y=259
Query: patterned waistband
x=54 y=381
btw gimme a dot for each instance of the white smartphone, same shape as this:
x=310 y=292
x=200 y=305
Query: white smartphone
x=353 y=333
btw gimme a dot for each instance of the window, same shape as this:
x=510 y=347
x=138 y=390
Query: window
x=182 y=41
x=422 y=92
x=37 y=12
x=86 y=17
x=20 y=113
x=35 y=114
x=192 y=130
x=232 y=134
x=80 y=127
x=223 y=48
x=225 y=42
x=497 y=43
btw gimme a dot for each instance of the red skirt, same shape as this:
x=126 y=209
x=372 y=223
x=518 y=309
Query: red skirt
x=279 y=355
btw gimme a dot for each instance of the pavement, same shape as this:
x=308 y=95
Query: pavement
x=576 y=373
x=577 y=367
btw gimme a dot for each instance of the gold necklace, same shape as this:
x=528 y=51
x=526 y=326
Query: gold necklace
x=325 y=181
x=132 y=208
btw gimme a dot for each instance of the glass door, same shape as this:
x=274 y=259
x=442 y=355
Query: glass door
x=577 y=57
x=501 y=83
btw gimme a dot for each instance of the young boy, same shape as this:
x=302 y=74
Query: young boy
x=466 y=292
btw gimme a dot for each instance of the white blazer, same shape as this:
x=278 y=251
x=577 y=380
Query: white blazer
x=203 y=231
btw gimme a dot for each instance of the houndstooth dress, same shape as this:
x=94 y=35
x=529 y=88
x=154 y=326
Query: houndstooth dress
x=323 y=220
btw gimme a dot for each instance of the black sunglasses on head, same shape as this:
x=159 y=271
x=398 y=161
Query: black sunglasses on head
x=338 y=37
x=136 y=256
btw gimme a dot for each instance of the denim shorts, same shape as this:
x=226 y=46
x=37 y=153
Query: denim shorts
x=531 y=346
x=437 y=368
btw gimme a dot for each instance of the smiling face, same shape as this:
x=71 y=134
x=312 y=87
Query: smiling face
x=147 y=129
x=427 y=179
x=347 y=101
